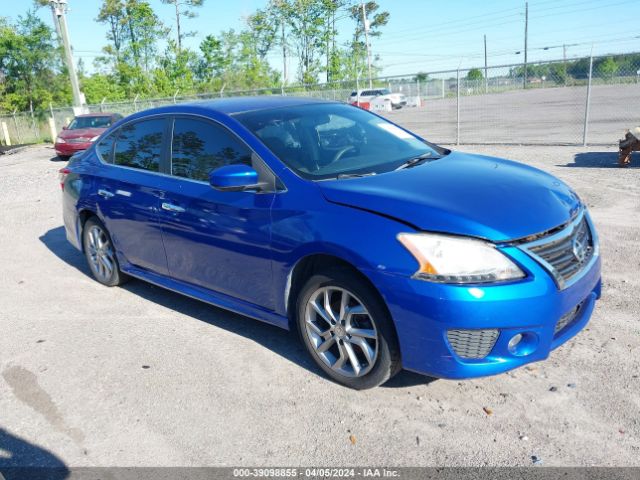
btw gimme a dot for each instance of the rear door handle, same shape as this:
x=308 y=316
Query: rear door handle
x=169 y=207
x=105 y=193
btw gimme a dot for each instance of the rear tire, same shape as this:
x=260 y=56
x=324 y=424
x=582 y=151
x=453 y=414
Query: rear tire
x=100 y=254
x=347 y=330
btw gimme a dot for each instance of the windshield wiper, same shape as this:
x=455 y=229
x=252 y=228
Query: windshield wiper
x=354 y=175
x=412 y=162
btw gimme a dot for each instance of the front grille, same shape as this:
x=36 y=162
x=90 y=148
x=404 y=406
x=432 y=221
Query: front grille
x=472 y=343
x=78 y=140
x=567 y=252
x=566 y=319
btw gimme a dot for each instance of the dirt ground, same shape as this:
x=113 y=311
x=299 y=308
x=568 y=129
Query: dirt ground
x=139 y=376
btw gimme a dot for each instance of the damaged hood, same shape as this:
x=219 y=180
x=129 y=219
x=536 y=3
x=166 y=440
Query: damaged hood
x=463 y=194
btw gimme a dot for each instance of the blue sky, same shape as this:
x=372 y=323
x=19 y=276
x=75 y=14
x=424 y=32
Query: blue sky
x=422 y=35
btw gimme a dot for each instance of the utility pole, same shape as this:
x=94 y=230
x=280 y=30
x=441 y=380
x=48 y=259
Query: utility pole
x=526 y=37
x=486 y=78
x=588 y=103
x=365 y=22
x=564 y=62
x=59 y=8
x=56 y=24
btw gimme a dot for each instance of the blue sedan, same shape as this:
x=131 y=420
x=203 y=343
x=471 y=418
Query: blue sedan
x=382 y=250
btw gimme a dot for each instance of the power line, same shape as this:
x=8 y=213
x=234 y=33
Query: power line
x=618 y=41
x=585 y=9
x=452 y=22
x=481 y=24
x=509 y=51
x=465 y=27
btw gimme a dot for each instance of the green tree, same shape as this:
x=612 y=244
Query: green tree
x=183 y=8
x=112 y=13
x=305 y=21
x=607 y=68
x=263 y=27
x=475 y=74
x=145 y=29
x=579 y=68
x=176 y=70
x=377 y=20
x=133 y=32
x=214 y=60
x=558 y=73
x=99 y=86
x=331 y=8
x=30 y=65
x=232 y=59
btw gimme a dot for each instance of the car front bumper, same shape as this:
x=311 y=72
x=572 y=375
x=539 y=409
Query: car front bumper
x=425 y=313
x=68 y=149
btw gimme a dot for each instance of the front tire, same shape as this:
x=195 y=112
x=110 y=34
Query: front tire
x=100 y=254
x=347 y=329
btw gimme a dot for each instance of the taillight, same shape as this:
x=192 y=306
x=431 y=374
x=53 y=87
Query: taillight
x=63 y=175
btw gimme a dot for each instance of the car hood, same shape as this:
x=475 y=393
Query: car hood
x=463 y=194
x=81 y=132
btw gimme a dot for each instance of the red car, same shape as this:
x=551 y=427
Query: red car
x=82 y=132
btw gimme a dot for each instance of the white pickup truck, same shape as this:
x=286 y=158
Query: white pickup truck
x=398 y=100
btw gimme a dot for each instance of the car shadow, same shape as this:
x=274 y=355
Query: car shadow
x=599 y=160
x=21 y=459
x=405 y=379
x=282 y=342
x=56 y=241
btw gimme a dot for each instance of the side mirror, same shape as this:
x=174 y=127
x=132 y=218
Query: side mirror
x=64 y=127
x=234 y=178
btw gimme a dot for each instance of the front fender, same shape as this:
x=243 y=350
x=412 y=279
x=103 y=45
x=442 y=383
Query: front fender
x=363 y=239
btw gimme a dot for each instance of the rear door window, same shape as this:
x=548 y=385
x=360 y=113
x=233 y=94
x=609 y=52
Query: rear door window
x=139 y=145
x=104 y=148
x=198 y=147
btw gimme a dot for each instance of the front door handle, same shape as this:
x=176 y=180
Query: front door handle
x=105 y=193
x=169 y=207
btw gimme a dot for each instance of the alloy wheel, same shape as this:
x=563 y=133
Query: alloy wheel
x=101 y=255
x=342 y=332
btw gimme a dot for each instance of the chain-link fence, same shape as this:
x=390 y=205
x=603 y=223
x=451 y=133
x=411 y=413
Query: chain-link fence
x=549 y=107
x=584 y=101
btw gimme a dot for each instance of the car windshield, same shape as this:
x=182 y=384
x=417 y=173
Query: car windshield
x=334 y=140
x=90 y=122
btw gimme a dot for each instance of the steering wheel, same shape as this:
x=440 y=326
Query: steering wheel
x=340 y=153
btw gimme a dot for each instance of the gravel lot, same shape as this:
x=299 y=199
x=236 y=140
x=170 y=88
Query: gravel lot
x=139 y=376
x=534 y=116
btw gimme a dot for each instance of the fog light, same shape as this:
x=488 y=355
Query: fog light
x=514 y=342
x=523 y=344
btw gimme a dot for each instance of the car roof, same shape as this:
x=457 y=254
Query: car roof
x=233 y=105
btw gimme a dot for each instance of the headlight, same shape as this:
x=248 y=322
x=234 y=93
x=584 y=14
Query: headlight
x=60 y=140
x=94 y=138
x=449 y=259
